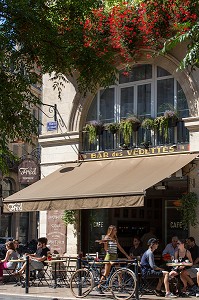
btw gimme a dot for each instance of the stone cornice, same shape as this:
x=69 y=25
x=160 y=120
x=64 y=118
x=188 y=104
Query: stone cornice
x=191 y=123
x=59 y=139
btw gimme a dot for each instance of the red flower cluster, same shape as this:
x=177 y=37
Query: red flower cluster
x=126 y=28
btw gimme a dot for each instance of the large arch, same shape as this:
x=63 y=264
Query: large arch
x=81 y=103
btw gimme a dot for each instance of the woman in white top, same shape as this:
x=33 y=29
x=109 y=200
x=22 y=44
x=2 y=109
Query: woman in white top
x=111 y=245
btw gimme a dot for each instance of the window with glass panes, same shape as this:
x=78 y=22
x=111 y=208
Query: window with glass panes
x=148 y=90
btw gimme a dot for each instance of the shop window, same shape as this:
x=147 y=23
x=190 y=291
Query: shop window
x=173 y=222
x=133 y=213
x=125 y=213
x=117 y=212
x=23 y=227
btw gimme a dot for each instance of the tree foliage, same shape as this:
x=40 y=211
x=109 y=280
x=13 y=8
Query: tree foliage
x=84 y=40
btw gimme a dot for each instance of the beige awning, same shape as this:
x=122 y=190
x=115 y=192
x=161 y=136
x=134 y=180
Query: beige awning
x=97 y=184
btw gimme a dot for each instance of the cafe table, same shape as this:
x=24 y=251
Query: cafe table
x=54 y=263
x=179 y=264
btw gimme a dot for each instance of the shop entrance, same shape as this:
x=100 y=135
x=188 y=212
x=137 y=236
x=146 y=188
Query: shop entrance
x=160 y=210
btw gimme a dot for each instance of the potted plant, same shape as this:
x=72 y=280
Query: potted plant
x=172 y=117
x=169 y=119
x=127 y=126
x=148 y=123
x=112 y=127
x=94 y=128
x=189 y=203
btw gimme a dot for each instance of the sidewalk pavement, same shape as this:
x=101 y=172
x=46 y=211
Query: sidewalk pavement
x=10 y=292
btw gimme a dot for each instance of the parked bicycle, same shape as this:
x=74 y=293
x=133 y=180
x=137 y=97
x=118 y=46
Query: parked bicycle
x=121 y=281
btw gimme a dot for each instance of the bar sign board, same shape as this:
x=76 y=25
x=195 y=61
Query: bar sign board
x=51 y=126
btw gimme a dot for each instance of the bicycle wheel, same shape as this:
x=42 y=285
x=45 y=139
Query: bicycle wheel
x=123 y=284
x=81 y=283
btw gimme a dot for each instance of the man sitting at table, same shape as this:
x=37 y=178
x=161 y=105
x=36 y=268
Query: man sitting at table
x=36 y=260
x=170 y=249
x=149 y=269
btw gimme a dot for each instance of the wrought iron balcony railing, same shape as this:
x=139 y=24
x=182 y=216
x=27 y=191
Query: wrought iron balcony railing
x=143 y=138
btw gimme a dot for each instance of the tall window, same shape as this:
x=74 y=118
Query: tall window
x=147 y=90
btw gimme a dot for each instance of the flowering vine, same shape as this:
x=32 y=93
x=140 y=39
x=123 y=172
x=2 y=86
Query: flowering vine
x=127 y=28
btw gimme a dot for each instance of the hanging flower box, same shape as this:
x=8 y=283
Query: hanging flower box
x=172 y=118
x=163 y=123
x=112 y=127
x=128 y=126
x=94 y=129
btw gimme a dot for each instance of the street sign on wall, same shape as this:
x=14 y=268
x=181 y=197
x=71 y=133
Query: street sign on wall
x=51 y=126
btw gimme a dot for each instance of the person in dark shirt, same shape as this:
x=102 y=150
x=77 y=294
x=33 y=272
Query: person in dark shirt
x=194 y=249
x=149 y=269
x=36 y=260
x=136 y=251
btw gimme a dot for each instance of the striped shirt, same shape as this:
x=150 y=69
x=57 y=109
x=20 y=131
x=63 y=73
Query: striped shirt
x=112 y=247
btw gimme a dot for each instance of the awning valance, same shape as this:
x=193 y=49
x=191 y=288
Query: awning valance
x=97 y=184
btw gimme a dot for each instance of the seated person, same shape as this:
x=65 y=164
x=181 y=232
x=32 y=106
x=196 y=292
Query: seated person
x=36 y=260
x=136 y=251
x=187 y=276
x=10 y=254
x=194 y=249
x=170 y=249
x=149 y=269
x=181 y=255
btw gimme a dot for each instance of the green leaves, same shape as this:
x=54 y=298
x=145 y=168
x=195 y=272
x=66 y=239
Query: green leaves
x=69 y=217
x=189 y=203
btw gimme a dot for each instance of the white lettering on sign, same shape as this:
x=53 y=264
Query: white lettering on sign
x=28 y=171
x=176 y=225
x=15 y=206
x=98 y=224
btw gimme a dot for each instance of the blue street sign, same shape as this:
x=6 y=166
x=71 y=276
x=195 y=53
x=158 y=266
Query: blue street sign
x=51 y=126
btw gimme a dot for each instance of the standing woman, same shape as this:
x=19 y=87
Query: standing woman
x=10 y=254
x=111 y=245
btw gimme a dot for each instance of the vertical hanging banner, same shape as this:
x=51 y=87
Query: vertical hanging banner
x=56 y=231
x=28 y=171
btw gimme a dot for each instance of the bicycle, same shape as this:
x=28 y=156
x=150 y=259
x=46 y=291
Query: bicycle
x=121 y=282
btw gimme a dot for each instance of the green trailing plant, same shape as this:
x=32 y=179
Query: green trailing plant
x=127 y=126
x=69 y=217
x=148 y=123
x=162 y=123
x=93 y=128
x=189 y=203
x=112 y=127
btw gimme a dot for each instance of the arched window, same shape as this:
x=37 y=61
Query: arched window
x=147 y=90
x=7 y=187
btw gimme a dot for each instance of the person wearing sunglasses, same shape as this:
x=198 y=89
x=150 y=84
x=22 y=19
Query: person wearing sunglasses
x=181 y=255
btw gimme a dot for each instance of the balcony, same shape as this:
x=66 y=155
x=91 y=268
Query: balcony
x=143 y=138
